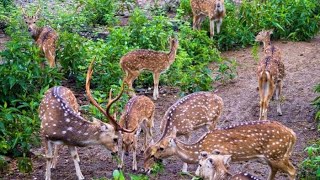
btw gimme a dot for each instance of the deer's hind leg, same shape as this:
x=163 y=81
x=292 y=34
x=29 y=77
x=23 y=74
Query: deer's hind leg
x=283 y=165
x=278 y=95
x=156 y=76
x=48 y=155
x=130 y=77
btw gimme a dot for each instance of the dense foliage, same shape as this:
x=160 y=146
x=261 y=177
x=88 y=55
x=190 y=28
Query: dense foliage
x=292 y=20
x=310 y=167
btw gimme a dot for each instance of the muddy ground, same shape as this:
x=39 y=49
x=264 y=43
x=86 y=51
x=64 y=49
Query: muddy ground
x=302 y=62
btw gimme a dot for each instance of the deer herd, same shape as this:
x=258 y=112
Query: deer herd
x=269 y=141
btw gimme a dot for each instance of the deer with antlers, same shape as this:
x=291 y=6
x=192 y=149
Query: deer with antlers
x=157 y=62
x=214 y=166
x=62 y=124
x=268 y=140
x=139 y=112
x=214 y=9
x=197 y=110
x=45 y=37
x=270 y=74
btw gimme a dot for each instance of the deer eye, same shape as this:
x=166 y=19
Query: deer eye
x=161 y=148
x=115 y=140
x=132 y=142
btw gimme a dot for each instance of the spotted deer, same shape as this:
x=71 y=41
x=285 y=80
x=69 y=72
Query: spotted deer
x=45 y=37
x=197 y=110
x=139 y=112
x=157 y=62
x=270 y=74
x=62 y=124
x=215 y=167
x=267 y=140
x=214 y=9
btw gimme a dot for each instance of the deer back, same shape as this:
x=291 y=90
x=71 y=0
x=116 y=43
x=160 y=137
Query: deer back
x=192 y=112
x=257 y=139
x=208 y=8
x=137 y=109
x=61 y=121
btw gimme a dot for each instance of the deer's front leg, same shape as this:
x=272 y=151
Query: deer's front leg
x=74 y=155
x=134 y=156
x=219 y=22
x=211 y=28
x=48 y=152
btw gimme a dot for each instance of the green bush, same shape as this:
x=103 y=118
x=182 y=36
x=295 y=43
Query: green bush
x=310 y=167
x=23 y=83
x=292 y=20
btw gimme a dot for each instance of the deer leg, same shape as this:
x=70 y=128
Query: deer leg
x=285 y=166
x=134 y=156
x=185 y=168
x=219 y=25
x=156 y=77
x=122 y=157
x=74 y=155
x=55 y=156
x=195 y=21
x=48 y=152
x=278 y=94
x=211 y=28
x=131 y=76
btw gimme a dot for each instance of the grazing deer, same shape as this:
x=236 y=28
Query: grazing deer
x=197 y=110
x=157 y=62
x=62 y=124
x=138 y=112
x=270 y=74
x=268 y=140
x=215 y=167
x=45 y=37
x=214 y=9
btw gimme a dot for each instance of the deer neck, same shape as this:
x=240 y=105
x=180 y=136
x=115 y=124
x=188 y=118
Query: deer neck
x=37 y=34
x=188 y=153
x=266 y=43
x=172 y=53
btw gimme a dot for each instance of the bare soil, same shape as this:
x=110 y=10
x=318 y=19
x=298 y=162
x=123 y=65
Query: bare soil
x=302 y=62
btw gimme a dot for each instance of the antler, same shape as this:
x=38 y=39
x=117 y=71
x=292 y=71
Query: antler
x=37 y=12
x=106 y=113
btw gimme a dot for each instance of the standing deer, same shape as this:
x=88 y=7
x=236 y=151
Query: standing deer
x=197 y=110
x=270 y=74
x=215 y=167
x=214 y=9
x=139 y=112
x=45 y=37
x=157 y=62
x=61 y=124
x=268 y=140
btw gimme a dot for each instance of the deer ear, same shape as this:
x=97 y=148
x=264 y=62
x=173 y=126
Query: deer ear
x=203 y=154
x=226 y=159
x=270 y=31
x=216 y=152
x=103 y=128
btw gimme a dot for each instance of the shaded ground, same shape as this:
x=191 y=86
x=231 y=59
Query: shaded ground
x=302 y=61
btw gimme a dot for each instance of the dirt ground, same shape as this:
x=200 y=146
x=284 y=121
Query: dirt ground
x=302 y=62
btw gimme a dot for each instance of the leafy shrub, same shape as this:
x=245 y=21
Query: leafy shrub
x=316 y=103
x=99 y=11
x=23 y=83
x=292 y=20
x=310 y=167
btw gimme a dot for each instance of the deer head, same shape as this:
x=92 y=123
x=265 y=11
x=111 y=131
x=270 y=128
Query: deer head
x=213 y=166
x=162 y=149
x=31 y=22
x=264 y=35
x=219 y=6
